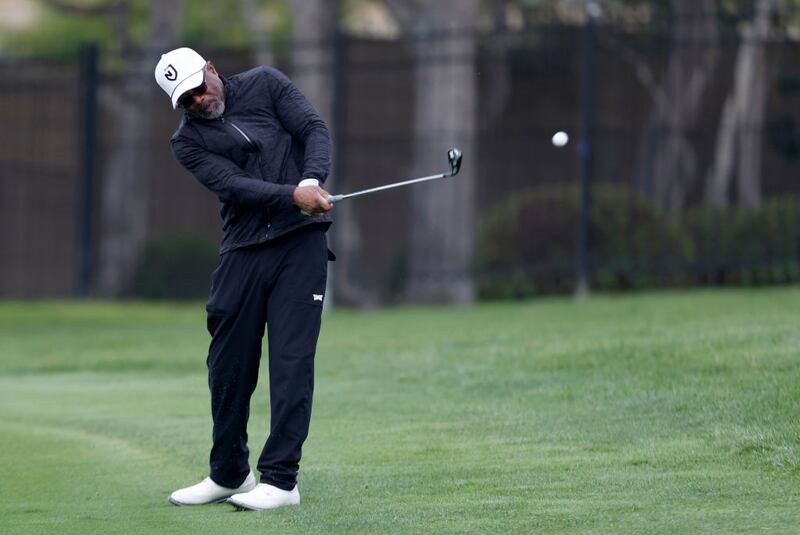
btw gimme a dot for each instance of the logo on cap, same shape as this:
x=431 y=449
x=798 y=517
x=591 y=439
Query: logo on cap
x=171 y=74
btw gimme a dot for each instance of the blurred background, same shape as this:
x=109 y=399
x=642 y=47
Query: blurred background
x=681 y=169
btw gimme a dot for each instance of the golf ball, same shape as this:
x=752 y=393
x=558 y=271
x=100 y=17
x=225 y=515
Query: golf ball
x=560 y=139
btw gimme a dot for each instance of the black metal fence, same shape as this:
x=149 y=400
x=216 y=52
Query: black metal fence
x=530 y=84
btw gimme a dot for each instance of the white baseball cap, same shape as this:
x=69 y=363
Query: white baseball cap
x=178 y=71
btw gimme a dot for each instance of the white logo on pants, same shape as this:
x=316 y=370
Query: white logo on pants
x=317 y=297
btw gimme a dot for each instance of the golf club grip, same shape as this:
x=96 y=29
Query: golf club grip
x=335 y=198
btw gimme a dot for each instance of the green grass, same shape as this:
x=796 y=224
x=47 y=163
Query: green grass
x=653 y=413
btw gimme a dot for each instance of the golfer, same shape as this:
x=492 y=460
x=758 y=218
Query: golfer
x=251 y=139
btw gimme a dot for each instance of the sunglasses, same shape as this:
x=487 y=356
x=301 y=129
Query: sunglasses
x=187 y=99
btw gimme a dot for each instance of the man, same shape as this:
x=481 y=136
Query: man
x=251 y=139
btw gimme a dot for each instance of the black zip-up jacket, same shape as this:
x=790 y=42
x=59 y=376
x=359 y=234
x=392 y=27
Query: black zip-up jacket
x=253 y=157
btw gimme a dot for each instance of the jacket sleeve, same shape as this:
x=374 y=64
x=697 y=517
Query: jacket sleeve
x=227 y=180
x=302 y=121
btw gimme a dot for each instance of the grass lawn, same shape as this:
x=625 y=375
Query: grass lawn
x=652 y=413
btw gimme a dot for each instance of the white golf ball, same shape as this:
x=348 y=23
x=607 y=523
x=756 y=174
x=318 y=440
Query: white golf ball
x=560 y=139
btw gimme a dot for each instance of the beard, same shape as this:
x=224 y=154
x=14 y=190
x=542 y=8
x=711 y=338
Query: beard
x=213 y=110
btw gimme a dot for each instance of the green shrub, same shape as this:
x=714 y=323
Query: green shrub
x=527 y=243
x=746 y=247
x=177 y=267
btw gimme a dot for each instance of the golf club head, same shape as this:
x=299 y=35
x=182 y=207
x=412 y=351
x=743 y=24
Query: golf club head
x=454 y=157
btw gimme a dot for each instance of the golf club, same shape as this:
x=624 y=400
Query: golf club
x=453 y=157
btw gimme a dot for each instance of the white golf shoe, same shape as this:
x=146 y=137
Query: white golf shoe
x=265 y=497
x=209 y=492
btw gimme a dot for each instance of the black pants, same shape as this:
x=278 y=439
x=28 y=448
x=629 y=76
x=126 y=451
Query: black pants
x=280 y=284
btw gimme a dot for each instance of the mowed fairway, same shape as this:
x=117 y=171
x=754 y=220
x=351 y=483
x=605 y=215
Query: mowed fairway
x=653 y=413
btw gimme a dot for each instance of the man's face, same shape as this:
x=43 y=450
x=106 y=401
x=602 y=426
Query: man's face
x=207 y=101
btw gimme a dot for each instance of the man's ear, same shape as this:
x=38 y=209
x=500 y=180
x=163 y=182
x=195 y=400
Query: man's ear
x=211 y=67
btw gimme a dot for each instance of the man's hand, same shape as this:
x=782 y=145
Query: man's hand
x=312 y=200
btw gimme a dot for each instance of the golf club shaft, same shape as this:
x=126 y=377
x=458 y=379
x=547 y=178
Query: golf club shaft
x=337 y=198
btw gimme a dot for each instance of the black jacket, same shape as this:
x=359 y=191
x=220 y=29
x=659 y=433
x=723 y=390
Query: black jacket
x=268 y=139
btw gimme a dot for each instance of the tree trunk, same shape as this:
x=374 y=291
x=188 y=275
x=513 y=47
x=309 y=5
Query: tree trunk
x=443 y=213
x=752 y=123
x=739 y=137
x=314 y=35
x=258 y=32
x=721 y=171
x=124 y=209
x=314 y=26
x=669 y=162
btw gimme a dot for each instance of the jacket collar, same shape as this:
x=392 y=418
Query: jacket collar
x=230 y=90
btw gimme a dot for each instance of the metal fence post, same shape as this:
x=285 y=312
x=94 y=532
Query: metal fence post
x=582 y=286
x=339 y=73
x=90 y=57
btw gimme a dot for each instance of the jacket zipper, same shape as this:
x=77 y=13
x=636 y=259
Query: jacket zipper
x=249 y=141
x=258 y=157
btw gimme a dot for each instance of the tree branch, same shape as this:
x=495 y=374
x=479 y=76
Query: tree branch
x=642 y=70
x=111 y=8
x=403 y=12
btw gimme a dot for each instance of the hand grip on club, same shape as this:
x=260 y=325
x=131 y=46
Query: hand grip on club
x=453 y=157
